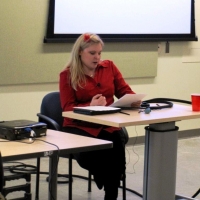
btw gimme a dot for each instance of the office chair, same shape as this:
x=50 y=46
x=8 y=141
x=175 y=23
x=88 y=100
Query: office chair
x=51 y=114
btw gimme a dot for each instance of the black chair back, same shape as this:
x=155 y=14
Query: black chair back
x=51 y=107
x=1 y=174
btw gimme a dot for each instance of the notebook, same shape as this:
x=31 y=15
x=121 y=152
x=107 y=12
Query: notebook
x=96 y=110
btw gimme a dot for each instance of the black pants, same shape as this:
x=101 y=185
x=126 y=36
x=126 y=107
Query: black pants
x=107 y=166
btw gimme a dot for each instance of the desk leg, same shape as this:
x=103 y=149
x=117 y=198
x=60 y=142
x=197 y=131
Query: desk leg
x=160 y=161
x=53 y=172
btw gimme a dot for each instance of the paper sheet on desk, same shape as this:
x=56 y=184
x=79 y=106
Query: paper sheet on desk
x=127 y=99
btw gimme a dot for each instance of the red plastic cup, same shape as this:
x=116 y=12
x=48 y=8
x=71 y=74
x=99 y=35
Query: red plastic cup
x=195 y=102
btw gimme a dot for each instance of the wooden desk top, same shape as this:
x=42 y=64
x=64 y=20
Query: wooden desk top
x=66 y=142
x=176 y=113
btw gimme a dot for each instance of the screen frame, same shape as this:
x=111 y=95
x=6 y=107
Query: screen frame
x=68 y=38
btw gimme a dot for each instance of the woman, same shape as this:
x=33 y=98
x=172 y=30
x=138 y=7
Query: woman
x=88 y=81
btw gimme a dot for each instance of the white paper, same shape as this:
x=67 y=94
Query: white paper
x=127 y=100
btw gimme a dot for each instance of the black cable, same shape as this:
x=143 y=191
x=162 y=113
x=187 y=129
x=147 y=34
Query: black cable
x=180 y=101
x=23 y=168
x=163 y=100
x=146 y=104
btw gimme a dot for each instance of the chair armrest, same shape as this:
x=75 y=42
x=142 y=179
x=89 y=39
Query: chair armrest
x=51 y=124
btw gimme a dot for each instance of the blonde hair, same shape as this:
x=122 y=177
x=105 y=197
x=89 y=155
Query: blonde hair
x=77 y=76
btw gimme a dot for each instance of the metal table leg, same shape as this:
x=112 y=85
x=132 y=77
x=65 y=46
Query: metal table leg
x=160 y=161
x=53 y=172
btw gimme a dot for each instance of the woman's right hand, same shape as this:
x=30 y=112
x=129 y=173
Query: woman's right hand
x=98 y=100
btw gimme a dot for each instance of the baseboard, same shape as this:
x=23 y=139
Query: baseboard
x=181 y=135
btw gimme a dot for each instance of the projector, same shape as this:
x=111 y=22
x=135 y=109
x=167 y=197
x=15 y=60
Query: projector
x=21 y=129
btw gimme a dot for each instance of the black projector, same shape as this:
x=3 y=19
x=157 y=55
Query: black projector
x=21 y=129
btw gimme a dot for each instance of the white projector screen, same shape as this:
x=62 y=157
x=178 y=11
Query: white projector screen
x=122 y=20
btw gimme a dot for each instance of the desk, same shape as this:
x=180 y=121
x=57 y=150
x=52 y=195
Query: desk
x=67 y=144
x=161 y=138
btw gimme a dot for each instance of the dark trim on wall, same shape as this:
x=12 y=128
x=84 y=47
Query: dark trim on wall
x=181 y=135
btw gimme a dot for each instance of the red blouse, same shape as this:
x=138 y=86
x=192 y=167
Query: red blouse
x=107 y=81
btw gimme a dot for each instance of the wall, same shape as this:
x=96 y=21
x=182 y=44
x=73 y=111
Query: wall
x=175 y=78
